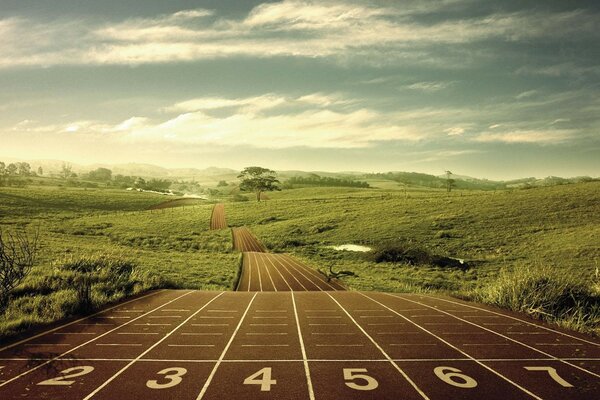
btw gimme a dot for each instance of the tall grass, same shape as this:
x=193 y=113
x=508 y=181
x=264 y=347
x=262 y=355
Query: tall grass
x=548 y=294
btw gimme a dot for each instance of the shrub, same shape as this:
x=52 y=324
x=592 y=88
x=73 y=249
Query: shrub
x=17 y=255
x=546 y=293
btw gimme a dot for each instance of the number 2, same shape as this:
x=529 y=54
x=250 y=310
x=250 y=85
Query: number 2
x=173 y=375
x=553 y=374
x=266 y=381
x=62 y=380
x=351 y=374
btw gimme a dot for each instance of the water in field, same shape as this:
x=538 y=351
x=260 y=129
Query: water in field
x=351 y=247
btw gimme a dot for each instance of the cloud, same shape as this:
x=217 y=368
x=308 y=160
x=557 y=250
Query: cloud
x=429 y=86
x=456 y=131
x=527 y=136
x=525 y=94
x=337 y=30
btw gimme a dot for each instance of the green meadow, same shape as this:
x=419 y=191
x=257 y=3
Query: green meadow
x=533 y=250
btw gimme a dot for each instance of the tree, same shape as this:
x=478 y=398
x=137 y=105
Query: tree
x=450 y=183
x=2 y=172
x=100 y=174
x=222 y=183
x=11 y=169
x=66 y=171
x=258 y=180
x=24 y=169
x=40 y=171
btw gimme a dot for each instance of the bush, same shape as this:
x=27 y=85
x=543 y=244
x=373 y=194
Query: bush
x=401 y=252
x=110 y=275
x=17 y=255
x=546 y=293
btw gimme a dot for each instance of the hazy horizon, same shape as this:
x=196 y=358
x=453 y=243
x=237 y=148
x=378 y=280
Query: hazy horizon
x=488 y=90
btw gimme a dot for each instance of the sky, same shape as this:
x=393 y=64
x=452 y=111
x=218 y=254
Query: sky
x=491 y=89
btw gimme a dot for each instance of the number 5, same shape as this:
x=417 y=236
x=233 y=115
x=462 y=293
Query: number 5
x=351 y=374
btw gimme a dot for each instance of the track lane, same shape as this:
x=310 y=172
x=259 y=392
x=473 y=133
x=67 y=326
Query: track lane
x=217 y=218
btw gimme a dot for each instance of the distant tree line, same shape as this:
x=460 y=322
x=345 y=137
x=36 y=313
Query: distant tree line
x=316 y=180
x=10 y=174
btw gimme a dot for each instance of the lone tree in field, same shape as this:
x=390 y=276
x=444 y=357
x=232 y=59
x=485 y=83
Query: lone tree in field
x=258 y=180
x=450 y=183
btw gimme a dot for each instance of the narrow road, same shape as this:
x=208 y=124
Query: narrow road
x=217 y=218
x=192 y=345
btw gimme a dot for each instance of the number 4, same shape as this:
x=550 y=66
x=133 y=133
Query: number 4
x=553 y=374
x=266 y=381
x=350 y=374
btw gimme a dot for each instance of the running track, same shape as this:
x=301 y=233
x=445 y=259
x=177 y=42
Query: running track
x=279 y=272
x=217 y=218
x=300 y=345
x=244 y=240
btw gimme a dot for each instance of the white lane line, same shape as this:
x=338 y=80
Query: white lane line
x=190 y=345
x=307 y=269
x=164 y=316
x=396 y=366
x=333 y=333
x=280 y=274
x=77 y=322
x=270 y=311
x=266 y=333
x=175 y=310
x=220 y=360
x=517 y=319
x=123 y=317
x=454 y=347
x=209 y=324
x=327 y=324
x=485 y=344
x=340 y=345
x=311 y=393
x=289 y=273
x=325 y=317
x=293 y=264
x=245 y=257
x=74 y=333
x=147 y=324
x=268 y=324
x=137 y=333
x=281 y=317
x=307 y=311
x=96 y=324
x=528 y=333
x=222 y=311
x=149 y=349
x=263 y=256
x=89 y=341
x=559 y=344
x=119 y=344
x=413 y=344
x=386 y=323
x=218 y=317
x=259 y=274
x=47 y=344
x=375 y=316
x=504 y=336
x=129 y=311
x=201 y=334
x=265 y=345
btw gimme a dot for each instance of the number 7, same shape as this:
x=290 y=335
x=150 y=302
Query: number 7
x=553 y=374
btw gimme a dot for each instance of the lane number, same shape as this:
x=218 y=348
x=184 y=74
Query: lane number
x=265 y=382
x=454 y=377
x=553 y=374
x=172 y=375
x=351 y=374
x=68 y=373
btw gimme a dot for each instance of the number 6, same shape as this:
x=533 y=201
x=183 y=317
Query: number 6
x=350 y=375
x=467 y=381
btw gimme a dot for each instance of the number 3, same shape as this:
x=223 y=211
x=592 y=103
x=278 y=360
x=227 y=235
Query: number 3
x=350 y=374
x=174 y=375
x=450 y=377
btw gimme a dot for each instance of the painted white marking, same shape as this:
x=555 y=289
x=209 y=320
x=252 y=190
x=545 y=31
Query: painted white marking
x=413 y=344
x=350 y=374
x=223 y=311
x=47 y=344
x=190 y=345
x=147 y=324
x=216 y=317
x=311 y=393
x=265 y=383
x=77 y=322
x=113 y=317
x=396 y=366
x=68 y=373
x=332 y=333
x=559 y=344
x=375 y=316
x=173 y=375
x=265 y=345
x=96 y=324
x=327 y=324
x=271 y=311
x=520 y=320
x=164 y=316
x=506 y=337
x=149 y=349
x=174 y=310
x=325 y=317
x=485 y=344
x=137 y=333
x=220 y=360
x=450 y=345
x=340 y=345
x=284 y=317
x=268 y=324
x=119 y=344
x=74 y=333
x=266 y=333
x=202 y=334
x=386 y=323
x=209 y=324
x=128 y=311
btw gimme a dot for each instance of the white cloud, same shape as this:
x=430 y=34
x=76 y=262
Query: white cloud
x=455 y=131
x=525 y=94
x=429 y=86
x=289 y=28
x=527 y=136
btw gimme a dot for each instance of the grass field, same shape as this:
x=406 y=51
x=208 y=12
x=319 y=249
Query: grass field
x=502 y=235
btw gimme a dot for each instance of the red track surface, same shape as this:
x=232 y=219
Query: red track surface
x=244 y=240
x=217 y=218
x=280 y=272
x=301 y=345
